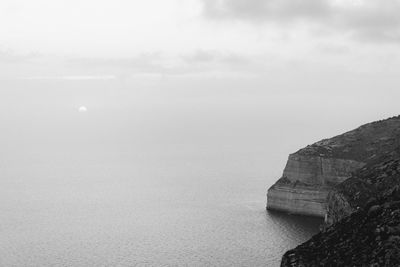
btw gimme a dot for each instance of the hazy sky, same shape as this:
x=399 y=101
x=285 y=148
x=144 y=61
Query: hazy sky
x=276 y=74
x=336 y=47
x=192 y=35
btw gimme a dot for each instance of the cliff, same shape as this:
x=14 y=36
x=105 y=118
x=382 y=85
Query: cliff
x=368 y=231
x=377 y=178
x=314 y=171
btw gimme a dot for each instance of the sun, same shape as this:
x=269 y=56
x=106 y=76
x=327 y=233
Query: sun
x=82 y=109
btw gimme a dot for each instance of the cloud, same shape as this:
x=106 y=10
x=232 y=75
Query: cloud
x=216 y=57
x=198 y=61
x=363 y=20
x=265 y=9
x=71 y=77
x=143 y=63
x=9 y=56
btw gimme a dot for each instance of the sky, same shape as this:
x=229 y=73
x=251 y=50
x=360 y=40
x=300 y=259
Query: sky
x=332 y=51
x=251 y=76
x=192 y=35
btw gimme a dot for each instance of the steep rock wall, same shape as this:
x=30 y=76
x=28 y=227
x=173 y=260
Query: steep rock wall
x=364 y=186
x=318 y=170
x=306 y=182
x=337 y=207
x=301 y=200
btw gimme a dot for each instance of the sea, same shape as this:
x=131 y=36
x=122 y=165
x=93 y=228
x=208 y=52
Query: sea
x=106 y=173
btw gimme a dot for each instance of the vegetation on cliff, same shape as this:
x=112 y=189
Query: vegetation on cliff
x=375 y=179
x=362 y=144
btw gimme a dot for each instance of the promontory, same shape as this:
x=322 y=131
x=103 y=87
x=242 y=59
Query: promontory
x=353 y=181
x=313 y=172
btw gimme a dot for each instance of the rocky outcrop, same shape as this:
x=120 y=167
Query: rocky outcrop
x=312 y=172
x=306 y=181
x=367 y=232
x=297 y=199
x=362 y=212
x=377 y=178
x=337 y=207
x=319 y=170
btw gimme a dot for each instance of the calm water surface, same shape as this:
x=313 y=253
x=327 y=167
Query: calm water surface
x=161 y=186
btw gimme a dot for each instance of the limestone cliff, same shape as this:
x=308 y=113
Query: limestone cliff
x=312 y=172
x=297 y=198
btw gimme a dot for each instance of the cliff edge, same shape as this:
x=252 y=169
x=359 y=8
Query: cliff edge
x=312 y=173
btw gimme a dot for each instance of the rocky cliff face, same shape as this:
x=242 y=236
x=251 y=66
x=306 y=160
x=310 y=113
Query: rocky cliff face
x=367 y=229
x=375 y=179
x=297 y=199
x=319 y=170
x=306 y=181
x=312 y=172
